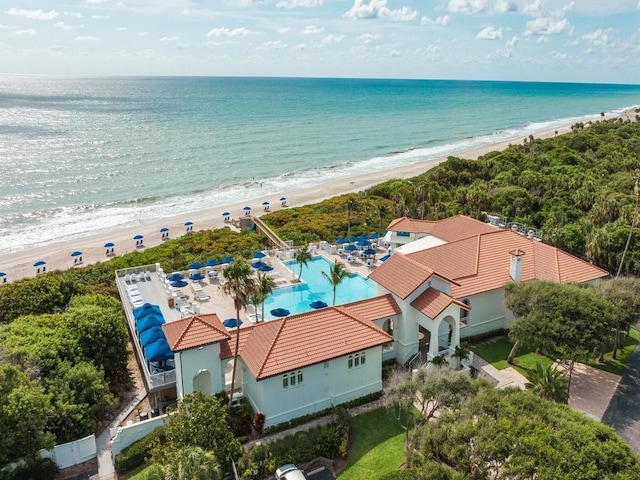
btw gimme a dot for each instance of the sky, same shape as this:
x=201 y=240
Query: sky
x=557 y=40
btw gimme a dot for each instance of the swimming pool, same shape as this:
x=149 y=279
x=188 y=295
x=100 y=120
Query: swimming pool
x=297 y=298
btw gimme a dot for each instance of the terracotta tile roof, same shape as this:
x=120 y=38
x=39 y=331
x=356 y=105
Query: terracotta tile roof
x=433 y=302
x=227 y=348
x=374 y=308
x=401 y=274
x=286 y=344
x=482 y=263
x=449 y=229
x=195 y=331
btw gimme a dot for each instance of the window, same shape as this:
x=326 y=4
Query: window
x=464 y=314
x=290 y=379
x=356 y=360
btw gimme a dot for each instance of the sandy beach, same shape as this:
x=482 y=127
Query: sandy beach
x=57 y=256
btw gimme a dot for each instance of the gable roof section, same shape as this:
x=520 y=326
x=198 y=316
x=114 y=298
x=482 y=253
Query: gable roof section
x=195 y=331
x=279 y=346
x=373 y=308
x=402 y=275
x=449 y=229
x=433 y=302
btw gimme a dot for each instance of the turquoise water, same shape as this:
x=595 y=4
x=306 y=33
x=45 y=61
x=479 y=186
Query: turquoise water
x=86 y=155
x=297 y=298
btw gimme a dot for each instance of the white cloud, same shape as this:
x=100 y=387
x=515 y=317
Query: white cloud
x=506 y=6
x=598 y=38
x=489 y=33
x=274 y=45
x=558 y=55
x=143 y=34
x=225 y=42
x=121 y=29
x=100 y=17
x=534 y=8
x=62 y=26
x=547 y=26
x=368 y=37
x=513 y=42
x=332 y=39
x=312 y=30
x=299 y=3
x=86 y=38
x=7 y=27
x=366 y=9
x=444 y=20
x=96 y=1
x=466 y=6
x=73 y=14
x=29 y=32
x=300 y=47
x=169 y=39
x=32 y=14
x=229 y=32
x=283 y=30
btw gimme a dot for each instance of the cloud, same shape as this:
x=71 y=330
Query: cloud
x=513 y=42
x=86 y=38
x=7 y=27
x=273 y=45
x=299 y=3
x=489 y=33
x=332 y=39
x=225 y=42
x=368 y=37
x=229 y=32
x=312 y=30
x=32 y=14
x=598 y=38
x=100 y=17
x=534 y=9
x=547 y=26
x=62 y=26
x=466 y=6
x=143 y=34
x=283 y=30
x=436 y=21
x=96 y=1
x=73 y=14
x=558 y=55
x=506 y=6
x=29 y=32
x=169 y=39
x=369 y=9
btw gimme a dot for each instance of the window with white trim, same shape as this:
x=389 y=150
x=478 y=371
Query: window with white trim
x=357 y=360
x=291 y=379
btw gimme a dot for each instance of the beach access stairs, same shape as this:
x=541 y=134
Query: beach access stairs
x=274 y=239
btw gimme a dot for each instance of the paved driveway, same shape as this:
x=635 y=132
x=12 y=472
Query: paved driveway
x=623 y=412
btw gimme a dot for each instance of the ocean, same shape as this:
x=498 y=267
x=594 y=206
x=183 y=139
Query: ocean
x=82 y=156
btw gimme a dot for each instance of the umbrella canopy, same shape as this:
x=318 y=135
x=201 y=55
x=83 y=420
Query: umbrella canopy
x=265 y=203
x=318 y=304
x=2 y=274
x=39 y=263
x=226 y=260
x=265 y=268
x=164 y=229
x=353 y=239
x=150 y=321
x=225 y=214
x=212 y=263
x=76 y=253
x=247 y=208
x=186 y=224
x=175 y=276
x=109 y=245
x=151 y=335
x=259 y=255
x=373 y=235
x=179 y=284
x=341 y=240
x=146 y=309
x=138 y=237
x=196 y=276
x=364 y=243
x=232 y=323
x=282 y=199
x=158 y=351
x=195 y=266
x=280 y=312
x=258 y=264
x=350 y=248
x=369 y=251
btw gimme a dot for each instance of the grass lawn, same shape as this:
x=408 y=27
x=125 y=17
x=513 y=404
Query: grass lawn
x=377 y=448
x=496 y=352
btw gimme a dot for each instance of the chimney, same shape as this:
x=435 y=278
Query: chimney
x=515 y=268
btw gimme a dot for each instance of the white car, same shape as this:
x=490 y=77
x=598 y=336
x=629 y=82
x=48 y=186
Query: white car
x=289 y=472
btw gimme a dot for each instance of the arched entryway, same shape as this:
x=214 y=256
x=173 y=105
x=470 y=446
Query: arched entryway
x=202 y=382
x=448 y=335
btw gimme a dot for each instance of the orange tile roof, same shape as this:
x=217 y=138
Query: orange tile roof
x=374 y=308
x=448 y=229
x=433 y=302
x=402 y=275
x=195 y=331
x=286 y=344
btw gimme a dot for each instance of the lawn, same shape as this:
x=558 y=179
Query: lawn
x=497 y=350
x=377 y=448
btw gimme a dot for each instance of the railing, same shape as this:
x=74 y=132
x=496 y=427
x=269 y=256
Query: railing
x=161 y=379
x=417 y=361
x=271 y=235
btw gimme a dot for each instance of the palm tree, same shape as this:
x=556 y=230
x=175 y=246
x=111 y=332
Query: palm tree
x=240 y=286
x=188 y=463
x=263 y=288
x=439 y=361
x=302 y=256
x=460 y=354
x=549 y=382
x=337 y=273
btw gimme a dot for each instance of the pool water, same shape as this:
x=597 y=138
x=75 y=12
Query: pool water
x=297 y=298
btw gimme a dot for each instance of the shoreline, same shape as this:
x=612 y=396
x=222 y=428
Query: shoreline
x=57 y=255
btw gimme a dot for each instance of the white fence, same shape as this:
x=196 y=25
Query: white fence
x=72 y=453
x=122 y=437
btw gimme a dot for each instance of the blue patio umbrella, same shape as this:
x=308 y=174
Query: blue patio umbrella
x=341 y=240
x=265 y=268
x=196 y=277
x=350 y=248
x=179 y=284
x=258 y=264
x=364 y=243
x=232 y=323
x=146 y=309
x=164 y=229
x=158 y=351
x=370 y=251
x=195 y=266
x=151 y=335
x=212 y=263
x=282 y=199
x=225 y=214
x=138 y=237
x=353 y=239
x=175 y=276
x=373 y=236
x=39 y=263
x=363 y=236
x=186 y=224
x=2 y=274
x=280 y=312
x=318 y=304
x=259 y=255
x=247 y=208
x=149 y=321
x=265 y=203
x=228 y=259
x=76 y=253
x=109 y=245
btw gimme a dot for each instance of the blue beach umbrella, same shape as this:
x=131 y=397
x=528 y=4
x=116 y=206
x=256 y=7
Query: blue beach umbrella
x=186 y=224
x=225 y=214
x=149 y=321
x=227 y=260
x=179 y=284
x=146 y=309
x=280 y=312
x=109 y=245
x=212 y=263
x=195 y=266
x=39 y=263
x=247 y=208
x=76 y=254
x=2 y=274
x=370 y=251
x=164 y=229
x=350 y=248
x=282 y=199
x=341 y=240
x=232 y=323
x=175 y=276
x=353 y=239
x=318 y=304
x=259 y=255
x=258 y=264
x=265 y=203
x=373 y=236
x=364 y=243
x=265 y=268
x=158 y=351
x=196 y=277
x=138 y=237
x=151 y=335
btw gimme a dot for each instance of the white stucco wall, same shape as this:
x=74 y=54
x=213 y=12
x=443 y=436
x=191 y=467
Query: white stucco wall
x=325 y=385
x=190 y=362
x=487 y=313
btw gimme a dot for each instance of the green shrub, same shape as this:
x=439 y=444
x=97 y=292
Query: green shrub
x=136 y=454
x=33 y=469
